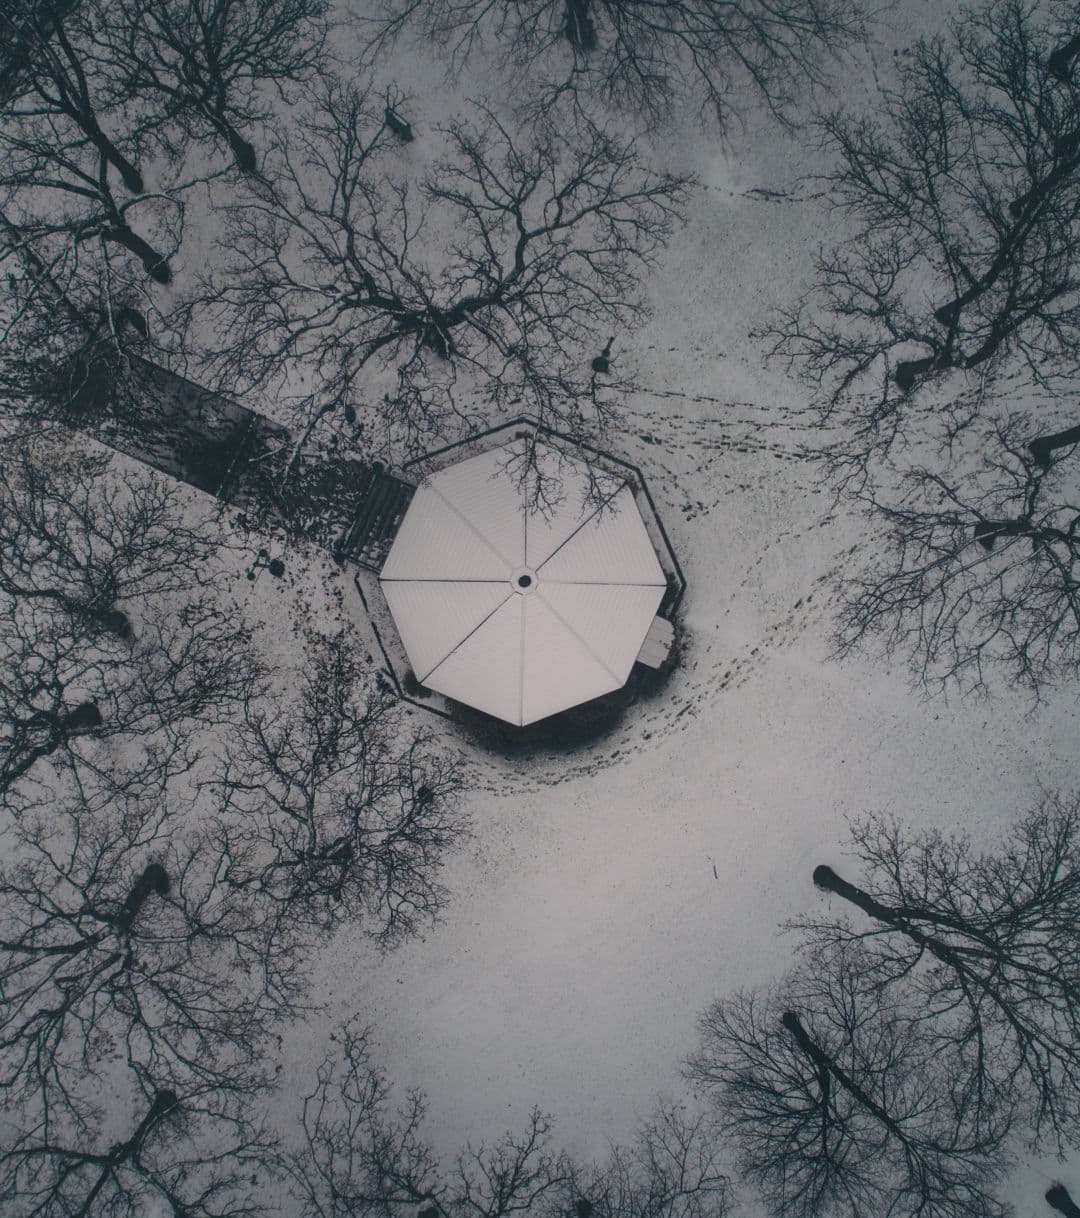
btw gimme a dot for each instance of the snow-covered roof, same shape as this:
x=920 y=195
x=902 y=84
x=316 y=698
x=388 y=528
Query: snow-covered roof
x=518 y=611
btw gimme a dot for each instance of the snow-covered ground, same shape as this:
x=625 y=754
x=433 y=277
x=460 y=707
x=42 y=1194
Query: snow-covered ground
x=609 y=895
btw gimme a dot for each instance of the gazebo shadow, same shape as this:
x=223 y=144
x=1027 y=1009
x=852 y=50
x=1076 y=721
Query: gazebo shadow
x=570 y=731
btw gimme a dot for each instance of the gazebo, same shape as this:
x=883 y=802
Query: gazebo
x=517 y=608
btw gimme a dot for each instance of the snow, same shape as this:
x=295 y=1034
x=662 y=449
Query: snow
x=609 y=894
x=588 y=928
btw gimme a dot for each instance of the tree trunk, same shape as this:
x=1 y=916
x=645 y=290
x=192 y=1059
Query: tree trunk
x=74 y=100
x=826 y=878
x=164 y=1103
x=1009 y=323
x=1058 y=1198
x=899 y=919
x=66 y=723
x=949 y=313
x=85 y=716
x=157 y=266
x=243 y=152
x=579 y=28
x=1058 y=63
x=1065 y=147
x=339 y=851
x=110 y=619
x=988 y=531
x=61 y=727
x=154 y=879
x=402 y=129
x=23 y=41
x=132 y=178
x=825 y=1064
x=115 y=621
x=909 y=371
x=1042 y=446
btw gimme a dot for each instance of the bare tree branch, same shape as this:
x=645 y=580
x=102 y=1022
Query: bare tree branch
x=193 y=68
x=837 y=1106
x=979 y=571
x=192 y=1154
x=360 y=1159
x=964 y=202
x=332 y=809
x=641 y=55
x=326 y=275
x=990 y=945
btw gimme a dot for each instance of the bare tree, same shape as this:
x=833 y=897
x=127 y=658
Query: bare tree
x=67 y=344
x=83 y=541
x=356 y=1157
x=979 y=572
x=329 y=274
x=54 y=82
x=360 y=1158
x=194 y=68
x=194 y=1154
x=77 y=243
x=110 y=627
x=949 y=308
x=60 y=203
x=332 y=808
x=119 y=943
x=836 y=1105
x=1042 y=448
x=61 y=694
x=644 y=56
x=963 y=196
x=988 y=946
x=77 y=213
x=670 y=1171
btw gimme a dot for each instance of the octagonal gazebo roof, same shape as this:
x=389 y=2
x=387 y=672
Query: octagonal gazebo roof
x=519 y=611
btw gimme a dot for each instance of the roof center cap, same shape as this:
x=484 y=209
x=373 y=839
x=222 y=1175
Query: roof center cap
x=524 y=581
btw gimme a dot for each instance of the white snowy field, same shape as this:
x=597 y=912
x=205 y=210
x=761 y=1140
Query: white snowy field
x=609 y=895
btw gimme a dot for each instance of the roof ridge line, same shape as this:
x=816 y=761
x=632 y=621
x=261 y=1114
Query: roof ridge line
x=472 y=528
x=595 y=512
x=598 y=583
x=461 y=642
x=566 y=626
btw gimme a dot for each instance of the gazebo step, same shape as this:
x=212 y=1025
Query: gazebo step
x=382 y=504
x=657 y=645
